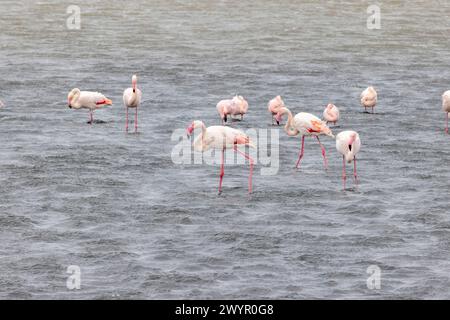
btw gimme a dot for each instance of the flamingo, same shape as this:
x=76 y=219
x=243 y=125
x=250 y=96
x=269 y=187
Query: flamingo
x=132 y=99
x=446 y=106
x=331 y=114
x=305 y=124
x=88 y=100
x=369 y=98
x=235 y=106
x=1 y=104
x=221 y=138
x=274 y=106
x=348 y=144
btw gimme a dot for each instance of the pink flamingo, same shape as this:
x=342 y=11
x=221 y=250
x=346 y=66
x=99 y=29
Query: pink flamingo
x=274 y=106
x=369 y=98
x=446 y=106
x=236 y=106
x=221 y=138
x=305 y=124
x=348 y=144
x=88 y=100
x=331 y=114
x=132 y=99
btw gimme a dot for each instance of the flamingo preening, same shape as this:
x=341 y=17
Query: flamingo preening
x=274 y=106
x=348 y=144
x=88 y=100
x=236 y=106
x=132 y=99
x=331 y=114
x=369 y=98
x=446 y=106
x=221 y=138
x=305 y=124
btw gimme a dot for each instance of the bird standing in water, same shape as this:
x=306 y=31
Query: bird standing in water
x=87 y=100
x=132 y=99
x=305 y=124
x=348 y=144
x=221 y=138
x=369 y=98
x=331 y=114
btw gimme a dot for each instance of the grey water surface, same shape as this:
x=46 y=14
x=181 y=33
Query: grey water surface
x=141 y=226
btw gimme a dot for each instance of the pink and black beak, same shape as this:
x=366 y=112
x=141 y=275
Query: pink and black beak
x=69 y=105
x=189 y=130
x=278 y=118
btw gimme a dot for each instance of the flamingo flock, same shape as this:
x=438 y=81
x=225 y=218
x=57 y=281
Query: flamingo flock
x=223 y=137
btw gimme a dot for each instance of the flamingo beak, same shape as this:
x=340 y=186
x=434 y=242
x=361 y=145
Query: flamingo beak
x=189 y=130
x=278 y=118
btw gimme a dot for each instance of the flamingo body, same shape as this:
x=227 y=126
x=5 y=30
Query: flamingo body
x=369 y=98
x=331 y=114
x=87 y=100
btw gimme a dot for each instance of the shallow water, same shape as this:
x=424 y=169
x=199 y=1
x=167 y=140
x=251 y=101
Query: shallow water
x=141 y=226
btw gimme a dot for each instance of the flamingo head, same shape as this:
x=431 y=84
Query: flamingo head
x=192 y=126
x=327 y=131
x=134 y=82
x=330 y=106
x=190 y=129
x=280 y=101
x=73 y=95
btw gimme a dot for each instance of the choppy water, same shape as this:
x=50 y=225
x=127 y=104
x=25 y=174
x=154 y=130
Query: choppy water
x=140 y=226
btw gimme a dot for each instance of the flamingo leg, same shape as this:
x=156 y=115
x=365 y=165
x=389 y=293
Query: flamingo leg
x=344 y=176
x=324 y=155
x=302 y=151
x=126 y=124
x=136 y=120
x=355 y=174
x=446 y=128
x=365 y=109
x=222 y=171
x=242 y=117
x=91 y=116
x=250 y=159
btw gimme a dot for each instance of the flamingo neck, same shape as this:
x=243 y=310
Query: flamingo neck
x=351 y=140
x=289 y=128
x=133 y=97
